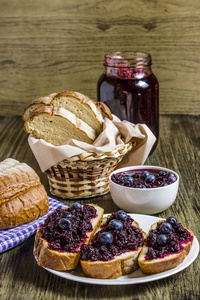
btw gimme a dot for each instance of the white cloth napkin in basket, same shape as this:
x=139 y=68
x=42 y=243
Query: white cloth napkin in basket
x=115 y=133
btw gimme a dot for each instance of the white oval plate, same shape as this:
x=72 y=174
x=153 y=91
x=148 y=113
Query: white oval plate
x=145 y=223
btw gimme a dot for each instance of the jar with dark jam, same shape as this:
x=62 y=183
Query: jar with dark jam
x=130 y=89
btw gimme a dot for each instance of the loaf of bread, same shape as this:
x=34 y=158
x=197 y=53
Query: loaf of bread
x=58 y=246
x=118 y=258
x=22 y=196
x=80 y=105
x=57 y=126
x=163 y=252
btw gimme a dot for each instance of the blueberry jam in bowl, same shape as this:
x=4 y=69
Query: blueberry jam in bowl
x=144 y=189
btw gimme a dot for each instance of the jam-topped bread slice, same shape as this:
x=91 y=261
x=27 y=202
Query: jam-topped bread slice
x=58 y=240
x=114 y=249
x=168 y=243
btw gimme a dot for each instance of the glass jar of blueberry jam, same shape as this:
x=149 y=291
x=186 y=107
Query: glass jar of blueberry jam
x=130 y=89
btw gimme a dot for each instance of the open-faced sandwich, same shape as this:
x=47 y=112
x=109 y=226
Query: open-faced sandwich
x=59 y=239
x=167 y=244
x=114 y=249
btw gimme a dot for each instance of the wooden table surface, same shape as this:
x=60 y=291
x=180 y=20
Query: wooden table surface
x=178 y=149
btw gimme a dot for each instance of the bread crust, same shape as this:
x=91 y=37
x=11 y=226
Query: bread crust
x=22 y=196
x=122 y=264
x=105 y=111
x=62 y=261
x=159 y=265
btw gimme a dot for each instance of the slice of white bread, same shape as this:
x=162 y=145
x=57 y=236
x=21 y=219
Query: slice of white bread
x=62 y=261
x=153 y=266
x=119 y=265
x=36 y=103
x=57 y=126
x=22 y=196
x=82 y=106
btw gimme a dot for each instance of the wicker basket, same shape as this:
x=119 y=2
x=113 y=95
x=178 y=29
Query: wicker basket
x=85 y=175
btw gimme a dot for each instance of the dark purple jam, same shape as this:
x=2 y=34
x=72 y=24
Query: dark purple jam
x=130 y=89
x=127 y=239
x=69 y=240
x=144 y=178
x=132 y=99
x=174 y=244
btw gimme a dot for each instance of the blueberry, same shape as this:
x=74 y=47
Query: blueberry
x=76 y=205
x=170 y=174
x=121 y=215
x=105 y=238
x=162 y=240
x=128 y=180
x=145 y=174
x=172 y=178
x=64 y=224
x=166 y=227
x=162 y=173
x=115 y=224
x=67 y=215
x=150 y=179
x=172 y=220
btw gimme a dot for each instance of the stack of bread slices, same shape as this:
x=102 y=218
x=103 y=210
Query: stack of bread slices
x=60 y=117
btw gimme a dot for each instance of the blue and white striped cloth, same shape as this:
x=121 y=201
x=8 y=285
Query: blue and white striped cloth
x=12 y=237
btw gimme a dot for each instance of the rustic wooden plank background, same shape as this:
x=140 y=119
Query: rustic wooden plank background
x=49 y=46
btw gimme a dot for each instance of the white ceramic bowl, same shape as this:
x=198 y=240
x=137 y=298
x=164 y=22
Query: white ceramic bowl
x=143 y=201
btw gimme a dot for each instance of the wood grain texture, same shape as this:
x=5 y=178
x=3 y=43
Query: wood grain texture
x=178 y=149
x=51 y=46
